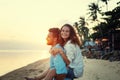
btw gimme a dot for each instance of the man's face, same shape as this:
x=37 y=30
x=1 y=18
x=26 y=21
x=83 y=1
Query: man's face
x=50 y=38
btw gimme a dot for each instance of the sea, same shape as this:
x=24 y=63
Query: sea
x=14 y=59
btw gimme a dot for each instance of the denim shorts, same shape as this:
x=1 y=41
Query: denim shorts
x=70 y=74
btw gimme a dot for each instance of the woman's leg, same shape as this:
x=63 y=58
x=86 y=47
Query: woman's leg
x=70 y=75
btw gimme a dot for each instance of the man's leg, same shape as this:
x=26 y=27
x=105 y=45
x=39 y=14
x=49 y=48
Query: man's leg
x=43 y=75
x=50 y=75
x=60 y=76
x=39 y=77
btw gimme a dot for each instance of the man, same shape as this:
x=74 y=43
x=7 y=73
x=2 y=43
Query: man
x=58 y=69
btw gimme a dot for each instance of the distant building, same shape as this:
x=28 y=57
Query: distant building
x=115 y=39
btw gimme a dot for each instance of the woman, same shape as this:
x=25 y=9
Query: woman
x=71 y=44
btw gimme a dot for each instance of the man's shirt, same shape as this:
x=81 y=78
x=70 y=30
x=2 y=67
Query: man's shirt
x=57 y=62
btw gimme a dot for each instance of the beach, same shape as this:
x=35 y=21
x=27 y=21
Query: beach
x=94 y=69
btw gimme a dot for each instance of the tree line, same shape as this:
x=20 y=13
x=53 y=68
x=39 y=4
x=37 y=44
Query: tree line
x=107 y=23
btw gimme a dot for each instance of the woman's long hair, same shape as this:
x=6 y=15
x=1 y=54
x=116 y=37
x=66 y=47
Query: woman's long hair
x=73 y=36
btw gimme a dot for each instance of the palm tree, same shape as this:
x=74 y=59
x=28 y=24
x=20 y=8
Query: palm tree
x=106 y=2
x=113 y=18
x=118 y=3
x=82 y=30
x=94 y=10
x=77 y=28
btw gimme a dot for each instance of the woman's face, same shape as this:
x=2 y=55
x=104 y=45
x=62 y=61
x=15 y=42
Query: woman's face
x=65 y=32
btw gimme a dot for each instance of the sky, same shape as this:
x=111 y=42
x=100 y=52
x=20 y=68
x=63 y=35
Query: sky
x=25 y=23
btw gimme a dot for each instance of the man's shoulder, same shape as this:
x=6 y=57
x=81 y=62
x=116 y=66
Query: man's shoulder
x=58 y=46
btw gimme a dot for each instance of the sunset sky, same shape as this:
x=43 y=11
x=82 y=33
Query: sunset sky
x=25 y=23
x=24 y=26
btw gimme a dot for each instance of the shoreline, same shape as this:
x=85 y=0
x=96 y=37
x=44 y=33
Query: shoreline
x=21 y=67
x=95 y=69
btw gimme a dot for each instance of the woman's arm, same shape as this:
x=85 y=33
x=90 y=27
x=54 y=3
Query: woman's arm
x=61 y=52
x=64 y=57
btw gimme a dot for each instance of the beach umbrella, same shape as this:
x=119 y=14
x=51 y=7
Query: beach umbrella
x=89 y=43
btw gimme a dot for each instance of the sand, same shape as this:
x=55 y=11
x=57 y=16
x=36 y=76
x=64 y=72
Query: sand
x=95 y=69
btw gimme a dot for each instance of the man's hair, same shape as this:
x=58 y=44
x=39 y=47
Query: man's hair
x=55 y=31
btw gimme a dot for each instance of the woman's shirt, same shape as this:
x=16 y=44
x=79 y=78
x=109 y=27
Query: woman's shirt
x=75 y=57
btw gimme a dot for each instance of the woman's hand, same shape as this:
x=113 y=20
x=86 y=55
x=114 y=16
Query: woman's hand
x=55 y=51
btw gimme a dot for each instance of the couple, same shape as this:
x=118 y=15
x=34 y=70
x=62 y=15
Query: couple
x=66 y=62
